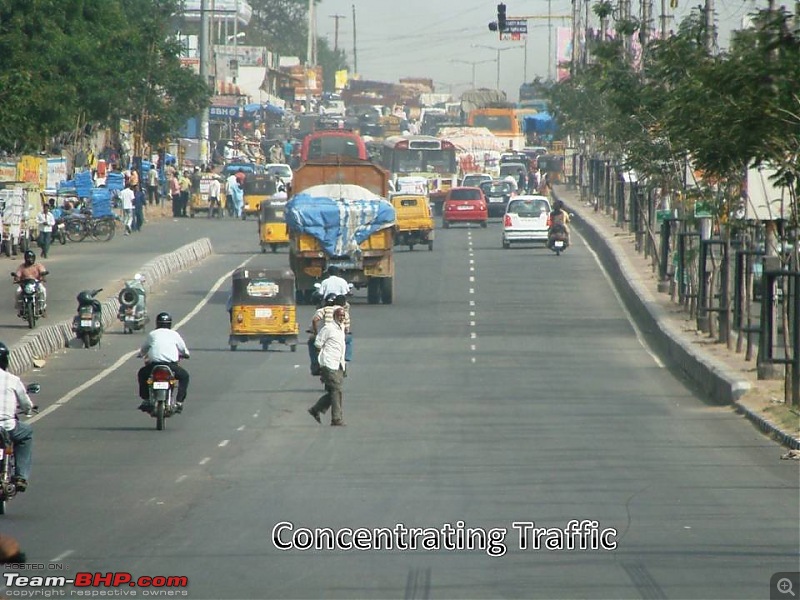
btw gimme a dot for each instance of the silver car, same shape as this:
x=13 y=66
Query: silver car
x=526 y=220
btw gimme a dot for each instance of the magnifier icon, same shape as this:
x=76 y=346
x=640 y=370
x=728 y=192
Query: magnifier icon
x=784 y=586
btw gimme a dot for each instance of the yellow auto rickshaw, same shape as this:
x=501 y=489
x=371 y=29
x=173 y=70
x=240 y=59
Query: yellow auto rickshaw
x=257 y=188
x=262 y=307
x=272 y=229
x=414 y=223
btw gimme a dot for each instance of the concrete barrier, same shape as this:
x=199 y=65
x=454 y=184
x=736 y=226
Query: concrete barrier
x=44 y=341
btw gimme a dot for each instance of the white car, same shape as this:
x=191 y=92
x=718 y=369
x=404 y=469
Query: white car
x=526 y=220
x=475 y=179
x=281 y=171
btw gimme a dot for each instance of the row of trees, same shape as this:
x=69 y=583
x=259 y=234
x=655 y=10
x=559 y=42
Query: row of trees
x=66 y=64
x=680 y=101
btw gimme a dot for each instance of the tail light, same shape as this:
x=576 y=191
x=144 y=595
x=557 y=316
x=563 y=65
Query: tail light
x=507 y=220
x=161 y=375
x=481 y=206
x=549 y=220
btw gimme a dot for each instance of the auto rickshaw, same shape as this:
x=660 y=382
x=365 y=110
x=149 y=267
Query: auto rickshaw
x=272 y=228
x=262 y=307
x=257 y=188
x=414 y=223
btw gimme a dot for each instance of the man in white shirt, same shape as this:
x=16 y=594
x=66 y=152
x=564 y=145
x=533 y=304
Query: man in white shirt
x=331 y=344
x=13 y=398
x=126 y=197
x=214 y=189
x=163 y=347
x=45 y=222
x=334 y=284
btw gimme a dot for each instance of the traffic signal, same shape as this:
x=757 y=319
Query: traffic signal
x=501 y=17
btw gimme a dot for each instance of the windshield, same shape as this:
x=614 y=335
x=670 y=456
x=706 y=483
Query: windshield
x=280 y=170
x=424 y=161
x=529 y=208
x=324 y=146
x=496 y=188
x=493 y=122
x=464 y=194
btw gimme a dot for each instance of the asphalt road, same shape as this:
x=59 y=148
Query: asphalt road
x=501 y=387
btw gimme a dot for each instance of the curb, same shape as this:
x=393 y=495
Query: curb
x=713 y=378
x=47 y=340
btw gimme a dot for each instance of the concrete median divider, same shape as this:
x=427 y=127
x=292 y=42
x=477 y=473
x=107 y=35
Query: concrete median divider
x=44 y=341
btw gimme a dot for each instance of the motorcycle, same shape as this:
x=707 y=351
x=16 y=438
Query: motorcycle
x=88 y=323
x=60 y=231
x=162 y=388
x=30 y=306
x=8 y=487
x=133 y=305
x=557 y=239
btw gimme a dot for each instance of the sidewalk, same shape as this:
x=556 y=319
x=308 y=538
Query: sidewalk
x=721 y=375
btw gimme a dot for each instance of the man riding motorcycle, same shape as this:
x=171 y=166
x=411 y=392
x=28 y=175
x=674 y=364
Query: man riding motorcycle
x=559 y=224
x=14 y=398
x=163 y=347
x=30 y=269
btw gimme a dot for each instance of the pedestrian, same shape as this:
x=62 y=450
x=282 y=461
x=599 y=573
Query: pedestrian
x=175 y=195
x=230 y=184
x=152 y=185
x=139 y=202
x=331 y=345
x=127 y=196
x=185 y=185
x=214 y=205
x=288 y=149
x=45 y=222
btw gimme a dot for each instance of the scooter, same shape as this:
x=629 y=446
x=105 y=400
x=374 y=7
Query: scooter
x=88 y=323
x=133 y=305
x=557 y=239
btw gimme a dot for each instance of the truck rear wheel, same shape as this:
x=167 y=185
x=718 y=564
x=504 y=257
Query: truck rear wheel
x=374 y=291
x=386 y=290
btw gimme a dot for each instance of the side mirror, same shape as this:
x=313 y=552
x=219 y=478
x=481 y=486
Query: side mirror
x=33 y=388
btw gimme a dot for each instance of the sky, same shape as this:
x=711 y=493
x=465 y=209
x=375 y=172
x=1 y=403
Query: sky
x=446 y=39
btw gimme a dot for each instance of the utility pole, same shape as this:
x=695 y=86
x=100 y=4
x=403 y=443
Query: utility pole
x=309 y=54
x=203 y=121
x=664 y=18
x=549 y=40
x=355 y=55
x=336 y=31
x=711 y=34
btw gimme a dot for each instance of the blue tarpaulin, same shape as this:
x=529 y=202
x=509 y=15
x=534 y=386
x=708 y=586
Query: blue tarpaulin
x=101 y=202
x=339 y=225
x=251 y=108
x=115 y=181
x=84 y=184
x=274 y=110
x=539 y=123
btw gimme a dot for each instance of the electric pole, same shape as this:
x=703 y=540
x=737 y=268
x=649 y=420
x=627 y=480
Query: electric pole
x=355 y=55
x=336 y=31
x=203 y=49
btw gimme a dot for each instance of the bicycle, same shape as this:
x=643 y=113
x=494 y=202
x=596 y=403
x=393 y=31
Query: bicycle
x=101 y=229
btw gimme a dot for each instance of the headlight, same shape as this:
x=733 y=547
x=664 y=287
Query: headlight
x=30 y=288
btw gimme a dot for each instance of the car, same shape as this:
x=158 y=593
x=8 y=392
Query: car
x=475 y=179
x=497 y=192
x=464 y=205
x=526 y=220
x=233 y=167
x=281 y=171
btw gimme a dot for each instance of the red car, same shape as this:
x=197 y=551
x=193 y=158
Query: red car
x=465 y=205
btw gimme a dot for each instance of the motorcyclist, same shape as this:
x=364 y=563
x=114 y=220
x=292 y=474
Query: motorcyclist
x=163 y=347
x=559 y=222
x=334 y=284
x=30 y=269
x=14 y=398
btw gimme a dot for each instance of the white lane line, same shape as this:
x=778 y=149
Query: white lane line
x=472 y=323
x=472 y=313
x=472 y=347
x=472 y=359
x=62 y=556
x=240 y=428
x=255 y=415
x=471 y=290
x=629 y=316
x=472 y=262
x=181 y=478
x=105 y=373
x=223 y=443
x=205 y=460
x=473 y=335
x=472 y=302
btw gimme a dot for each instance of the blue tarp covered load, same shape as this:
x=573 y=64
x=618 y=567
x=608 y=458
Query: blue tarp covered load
x=539 y=123
x=66 y=187
x=115 y=181
x=101 y=202
x=340 y=216
x=84 y=184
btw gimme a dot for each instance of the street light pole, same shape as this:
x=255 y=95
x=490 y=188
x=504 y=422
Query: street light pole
x=473 y=63
x=498 y=50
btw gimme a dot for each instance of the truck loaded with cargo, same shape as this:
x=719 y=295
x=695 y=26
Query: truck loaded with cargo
x=339 y=216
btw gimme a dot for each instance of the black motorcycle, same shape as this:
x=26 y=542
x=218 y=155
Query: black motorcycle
x=31 y=305
x=163 y=393
x=8 y=486
x=88 y=323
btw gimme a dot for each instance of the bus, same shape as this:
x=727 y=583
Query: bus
x=424 y=156
x=327 y=142
x=502 y=122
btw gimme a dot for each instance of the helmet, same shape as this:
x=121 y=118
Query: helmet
x=340 y=300
x=30 y=257
x=330 y=299
x=333 y=270
x=163 y=321
x=5 y=354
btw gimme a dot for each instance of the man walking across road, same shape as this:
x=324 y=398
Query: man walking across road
x=152 y=185
x=45 y=222
x=331 y=344
x=127 y=196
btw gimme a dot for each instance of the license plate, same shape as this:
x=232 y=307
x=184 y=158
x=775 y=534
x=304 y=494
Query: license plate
x=495 y=200
x=86 y=322
x=61 y=226
x=559 y=244
x=2 y=452
x=130 y=318
x=464 y=208
x=161 y=385
x=263 y=313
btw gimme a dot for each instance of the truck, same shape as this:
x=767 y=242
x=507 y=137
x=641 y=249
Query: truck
x=339 y=216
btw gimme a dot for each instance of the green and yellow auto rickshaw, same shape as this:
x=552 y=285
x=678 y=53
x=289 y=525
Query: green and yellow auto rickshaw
x=257 y=188
x=262 y=307
x=272 y=229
